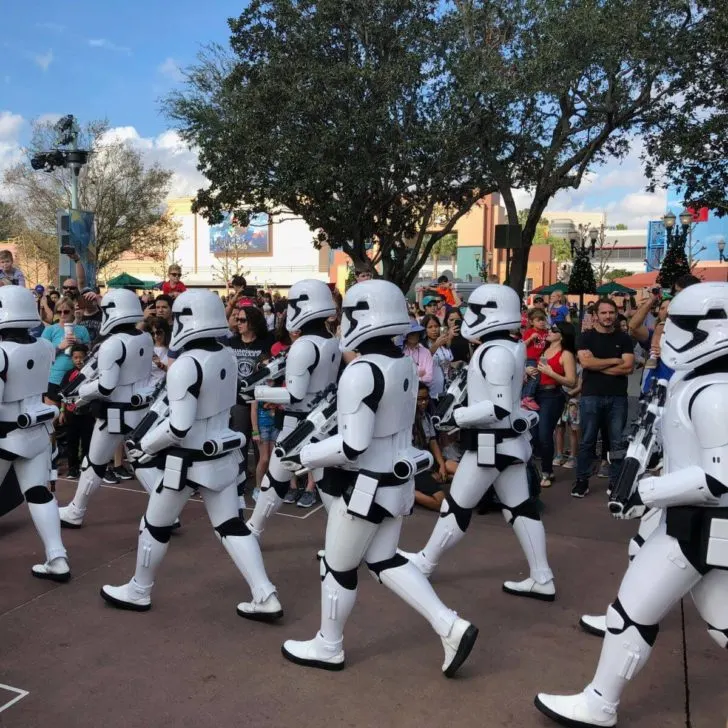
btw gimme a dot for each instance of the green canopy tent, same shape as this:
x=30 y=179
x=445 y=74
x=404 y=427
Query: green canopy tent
x=124 y=280
x=548 y=290
x=613 y=287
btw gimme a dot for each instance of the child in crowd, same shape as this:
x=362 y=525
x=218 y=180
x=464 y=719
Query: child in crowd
x=429 y=486
x=534 y=338
x=173 y=286
x=9 y=274
x=78 y=425
x=569 y=422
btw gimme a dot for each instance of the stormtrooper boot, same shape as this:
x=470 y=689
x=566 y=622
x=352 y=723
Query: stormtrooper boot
x=592 y=624
x=458 y=645
x=47 y=524
x=129 y=596
x=540 y=584
x=72 y=515
x=315 y=653
x=578 y=711
x=245 y=553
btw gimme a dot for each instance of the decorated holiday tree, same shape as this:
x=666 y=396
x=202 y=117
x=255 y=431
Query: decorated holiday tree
x=674 y=264
x=582 y=280
x=350 y=278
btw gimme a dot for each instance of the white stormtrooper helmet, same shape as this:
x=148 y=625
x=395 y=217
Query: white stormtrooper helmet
x=18 y=309
x=119 y=307
x=308 y=299
x=491 y=307
x=197 y=315
x=370 y=309
x=696 y=331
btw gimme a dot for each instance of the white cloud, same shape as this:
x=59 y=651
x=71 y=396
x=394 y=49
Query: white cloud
x=170 y=68
x=108 y=45
x=44 y=60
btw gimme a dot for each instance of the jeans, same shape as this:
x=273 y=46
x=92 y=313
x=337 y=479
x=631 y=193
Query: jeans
x=595 y=412
x=531 y=384
x=551 y=406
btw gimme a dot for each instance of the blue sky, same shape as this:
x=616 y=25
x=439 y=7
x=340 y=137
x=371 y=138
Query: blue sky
x=117 y=60
x=102 y=59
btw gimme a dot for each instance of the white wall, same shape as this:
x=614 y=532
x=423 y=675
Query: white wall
x=293 y=255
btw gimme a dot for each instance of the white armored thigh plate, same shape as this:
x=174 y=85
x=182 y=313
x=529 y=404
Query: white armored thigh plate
x=214 y=474
x=396 y=499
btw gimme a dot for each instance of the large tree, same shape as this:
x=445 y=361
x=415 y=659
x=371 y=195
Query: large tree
x=330 y=109
x=10 y=221
x=125 y=194
x=689 y=148
x=556 y=88
x=160 y=243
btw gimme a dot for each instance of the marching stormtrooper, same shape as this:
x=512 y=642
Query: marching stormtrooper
x=494 y=453
x=688 y=552
x=195 y=451
x=117 y=393
x=26 y=423
x=375 y=463
x=312 y=364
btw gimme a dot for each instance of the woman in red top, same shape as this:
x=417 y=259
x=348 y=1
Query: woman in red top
x=556 y=369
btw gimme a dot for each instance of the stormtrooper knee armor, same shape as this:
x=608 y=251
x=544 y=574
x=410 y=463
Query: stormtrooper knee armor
x=376 y=402
x=312 y=365
x=496 y=446
x=26 y=423
x=120 y=391
x=193 y=448
x=691 y=554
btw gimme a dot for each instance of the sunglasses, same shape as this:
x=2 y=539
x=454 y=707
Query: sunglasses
x=175 y=275
x=65 y=310
x=555 y=330
x=242 y=321
x=158 y=332
x=70 y=288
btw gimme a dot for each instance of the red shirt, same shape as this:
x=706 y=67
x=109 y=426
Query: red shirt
x=557 y=365
x=169 y=288
x=537 y=346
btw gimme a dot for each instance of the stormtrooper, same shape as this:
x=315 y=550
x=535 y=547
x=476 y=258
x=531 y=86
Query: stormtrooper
x=26 y=423
x=194 y=450
x=118 y=393
x=494 y=453
x=375 y=464
x=312 y=364
x=688 y=552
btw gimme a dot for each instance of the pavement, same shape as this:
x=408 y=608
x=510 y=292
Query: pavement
x=68 y=660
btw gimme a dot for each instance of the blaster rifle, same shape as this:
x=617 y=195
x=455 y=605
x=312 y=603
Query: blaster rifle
x=641 y=444
x=158 y=410
x=318 y=423
x=274 y=369
x=454 y=397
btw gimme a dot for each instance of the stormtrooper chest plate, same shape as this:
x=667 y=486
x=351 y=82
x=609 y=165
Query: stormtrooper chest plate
x=28 y=368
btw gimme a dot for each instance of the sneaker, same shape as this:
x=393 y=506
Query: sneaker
x=111 y=477
x=603 y=470
x=292 y=496
x=307 y=499
x=570 y=463
x=546 y=480
x=580 y=489
x=123 y=473
x=530 y=404
x=73 y=474
x=559 y=460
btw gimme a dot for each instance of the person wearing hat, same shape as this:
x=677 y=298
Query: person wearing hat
x=429 y=305
x=418 y=353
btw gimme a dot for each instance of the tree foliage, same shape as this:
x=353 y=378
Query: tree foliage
x=688 y=148
x=614 y=273
x=582 y=274
x=10 y=221
x=329 y=109
x=556 y=88
x=124 y=194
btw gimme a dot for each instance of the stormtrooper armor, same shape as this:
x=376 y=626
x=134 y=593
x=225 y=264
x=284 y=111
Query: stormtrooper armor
x=495 y=454
x=193 y=449
x=376 y=401
x=26 y=423
x=117 y=394
x=690 y=552
x=311 y=365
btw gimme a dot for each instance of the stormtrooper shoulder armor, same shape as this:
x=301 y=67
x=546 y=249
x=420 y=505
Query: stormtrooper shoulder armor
x=302 y=359
x=359 y=385
x=186 y=378
x=497 y=364
x=709 y=415
x=112 y=353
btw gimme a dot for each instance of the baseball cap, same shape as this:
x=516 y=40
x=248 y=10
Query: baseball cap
x=427 y=300
x=39 y=289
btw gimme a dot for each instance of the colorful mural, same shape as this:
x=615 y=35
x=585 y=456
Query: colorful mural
x=255 y=239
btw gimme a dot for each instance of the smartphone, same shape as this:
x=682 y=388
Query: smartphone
x=67 y=249
x=543 y=361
